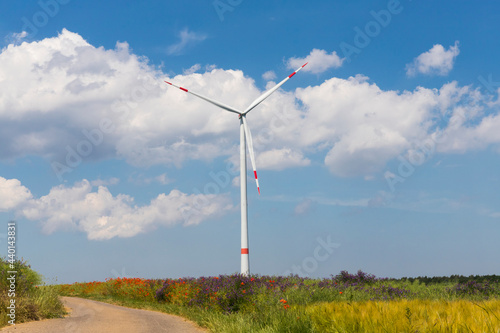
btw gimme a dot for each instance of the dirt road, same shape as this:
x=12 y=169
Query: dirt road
x=88 y=316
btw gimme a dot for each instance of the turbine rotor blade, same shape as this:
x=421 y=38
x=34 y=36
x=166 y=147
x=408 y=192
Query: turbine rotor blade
x=270 y=91
x=209 y=100
x=250 y=149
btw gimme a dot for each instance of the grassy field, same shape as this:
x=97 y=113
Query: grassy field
x=234 y=303
x=343 y=303
x=33 y=300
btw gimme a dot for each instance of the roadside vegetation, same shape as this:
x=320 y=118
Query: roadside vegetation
x=342 y=303
x=25 y=297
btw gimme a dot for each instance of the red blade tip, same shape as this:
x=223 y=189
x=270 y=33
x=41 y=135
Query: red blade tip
x=304 y=65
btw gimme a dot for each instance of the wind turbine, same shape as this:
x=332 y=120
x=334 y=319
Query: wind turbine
x=244 y=136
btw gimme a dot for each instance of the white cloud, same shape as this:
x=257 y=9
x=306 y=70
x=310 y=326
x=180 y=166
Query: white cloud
x=12 y=194
x=163 y=179
x=435 y=61
x=269 y=75
x=103 y=216
x=460 y=136
x=279 y=159
x=319 y=61
x=192 y=69
x=55 y=89
x=141 y=179
x=361 y=126
x=209 y=68
x=55 y=93
x=187 y=39
x=16 y=37
x=101 y=182
x=303 y=207
x=21 y=34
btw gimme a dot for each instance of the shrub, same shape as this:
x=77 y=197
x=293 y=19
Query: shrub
x=361 y=278
x=473 y=288
x=33 y=300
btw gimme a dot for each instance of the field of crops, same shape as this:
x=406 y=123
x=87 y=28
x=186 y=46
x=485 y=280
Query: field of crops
x=343 y=303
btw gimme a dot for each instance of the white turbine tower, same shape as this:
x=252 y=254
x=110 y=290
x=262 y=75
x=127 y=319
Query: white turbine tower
x=244 y=136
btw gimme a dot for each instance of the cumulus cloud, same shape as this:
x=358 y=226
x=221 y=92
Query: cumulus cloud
x=269 y=75
x=468 y=131
x=186 y=39
x=319 y=61
x=56 y=94
x=12 y=194
x=437 y=60
x=70 y=102
x=279 y=159
x=102 y=215
x=47 y=87
x=361 y=125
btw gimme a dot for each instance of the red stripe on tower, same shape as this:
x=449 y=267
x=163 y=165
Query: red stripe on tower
x=244 y=251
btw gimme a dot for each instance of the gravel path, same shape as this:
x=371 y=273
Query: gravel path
x=88 y=316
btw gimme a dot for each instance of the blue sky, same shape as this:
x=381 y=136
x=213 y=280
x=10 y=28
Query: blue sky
x=382 y=154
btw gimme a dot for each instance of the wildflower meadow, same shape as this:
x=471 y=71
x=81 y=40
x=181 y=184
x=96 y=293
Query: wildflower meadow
x=344 y=302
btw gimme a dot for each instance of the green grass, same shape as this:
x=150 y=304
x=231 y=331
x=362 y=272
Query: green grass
x=345 y=303
x=33 y=300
